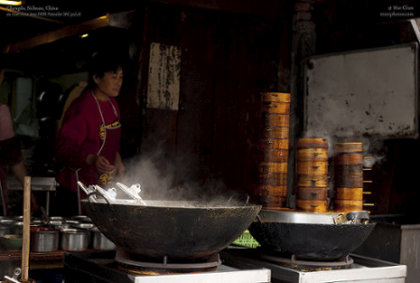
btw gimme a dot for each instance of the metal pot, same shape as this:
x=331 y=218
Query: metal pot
x=101 y=242
x=74 y=240
x=305 y=237
x=6 y=226
x=44 y=239
x=11 y=242
x=18 y=228
x=177 y=229
x=5 y=230
x=82 y=218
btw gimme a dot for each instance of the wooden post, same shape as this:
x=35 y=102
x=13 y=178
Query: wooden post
x=26 y=231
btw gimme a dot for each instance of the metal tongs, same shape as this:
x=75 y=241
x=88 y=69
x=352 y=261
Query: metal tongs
x=133 y=191
x=110 y=195
x=352 y=217
x=94 y=190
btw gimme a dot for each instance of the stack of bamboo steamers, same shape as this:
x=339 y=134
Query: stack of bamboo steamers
x=348 y=166
x=272 y=189
x=312 y=175
x=312 y=164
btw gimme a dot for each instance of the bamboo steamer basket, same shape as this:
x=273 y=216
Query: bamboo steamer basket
x=312 y=205
x=275 y=120
x=275 y=144
x=349 y=194
x=275 y=132
x=348 y=164
x=274 y=179
x=276 y=103
x=275 y=97
x=312 y=180
x=312 y=143
x=275 y=155
x=346 y=147
x=351 y=158
x=272 y=196
x=312 y=193
x=273 y=167
x=276 y=107
x=349 y=176
x=267 y=189
x=348 y=205
x=312 y=168
x=312 y=154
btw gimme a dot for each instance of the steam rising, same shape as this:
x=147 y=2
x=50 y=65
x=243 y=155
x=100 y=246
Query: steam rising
x=167 y=179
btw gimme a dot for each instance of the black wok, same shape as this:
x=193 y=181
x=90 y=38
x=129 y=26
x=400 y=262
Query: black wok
x=314 y=241
x=179 y=230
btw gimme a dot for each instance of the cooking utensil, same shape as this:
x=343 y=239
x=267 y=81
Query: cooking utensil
x=297 y=217
x=11 y=242
x=358 y=217
x=18 y=227
x=6 y=225
x=132 y=191
x=44 y=239
x=81 y=218
x=26 y=226
x=308 y=238
x=100 y=241
x=74 y=239
x=177 y=229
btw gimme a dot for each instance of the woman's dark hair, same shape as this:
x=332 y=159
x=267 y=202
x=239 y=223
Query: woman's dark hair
x=102 y=62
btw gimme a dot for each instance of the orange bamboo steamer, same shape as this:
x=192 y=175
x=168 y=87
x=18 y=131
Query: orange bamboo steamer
x=349 y=194
x=312 y=143
x=353 y=158
x=276 y=107
x=272 y=196
x=312 y=180
x=274 y=179
x=312 y=154
x=275 y=120
x=349 y=176
x=275 y=132
x=280 y=191
x=312 y=193
x=312 y=205
x=276 y=155
x=276 y=96
x=275 y=144
x=348 y=205
x=348 y=147
x=274 y=203
x=312 y=168
x=273 y=167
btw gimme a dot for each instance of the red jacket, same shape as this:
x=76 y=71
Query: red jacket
x=80 y=135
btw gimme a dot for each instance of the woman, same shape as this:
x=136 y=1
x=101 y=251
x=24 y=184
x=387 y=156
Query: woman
x=88 y=142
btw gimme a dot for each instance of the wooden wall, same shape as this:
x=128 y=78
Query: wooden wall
x=227 y=60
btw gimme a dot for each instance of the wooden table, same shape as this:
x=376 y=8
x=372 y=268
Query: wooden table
x=48 y=260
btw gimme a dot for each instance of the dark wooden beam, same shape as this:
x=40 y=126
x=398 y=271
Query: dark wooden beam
x=121 y=20
x=271 y=8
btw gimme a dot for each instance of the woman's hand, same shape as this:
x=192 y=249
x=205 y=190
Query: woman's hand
x=101 y=164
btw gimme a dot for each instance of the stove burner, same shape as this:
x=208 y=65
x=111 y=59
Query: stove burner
x=144 y=266
x=344 y=261
x=305 y=265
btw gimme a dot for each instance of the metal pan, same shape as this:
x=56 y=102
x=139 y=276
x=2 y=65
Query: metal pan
x=174 y=229
x=312 y=238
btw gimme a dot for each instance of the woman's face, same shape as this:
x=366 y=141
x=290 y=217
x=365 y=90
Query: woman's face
x=110 y=84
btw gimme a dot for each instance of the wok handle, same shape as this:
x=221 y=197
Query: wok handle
x=101 y=195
